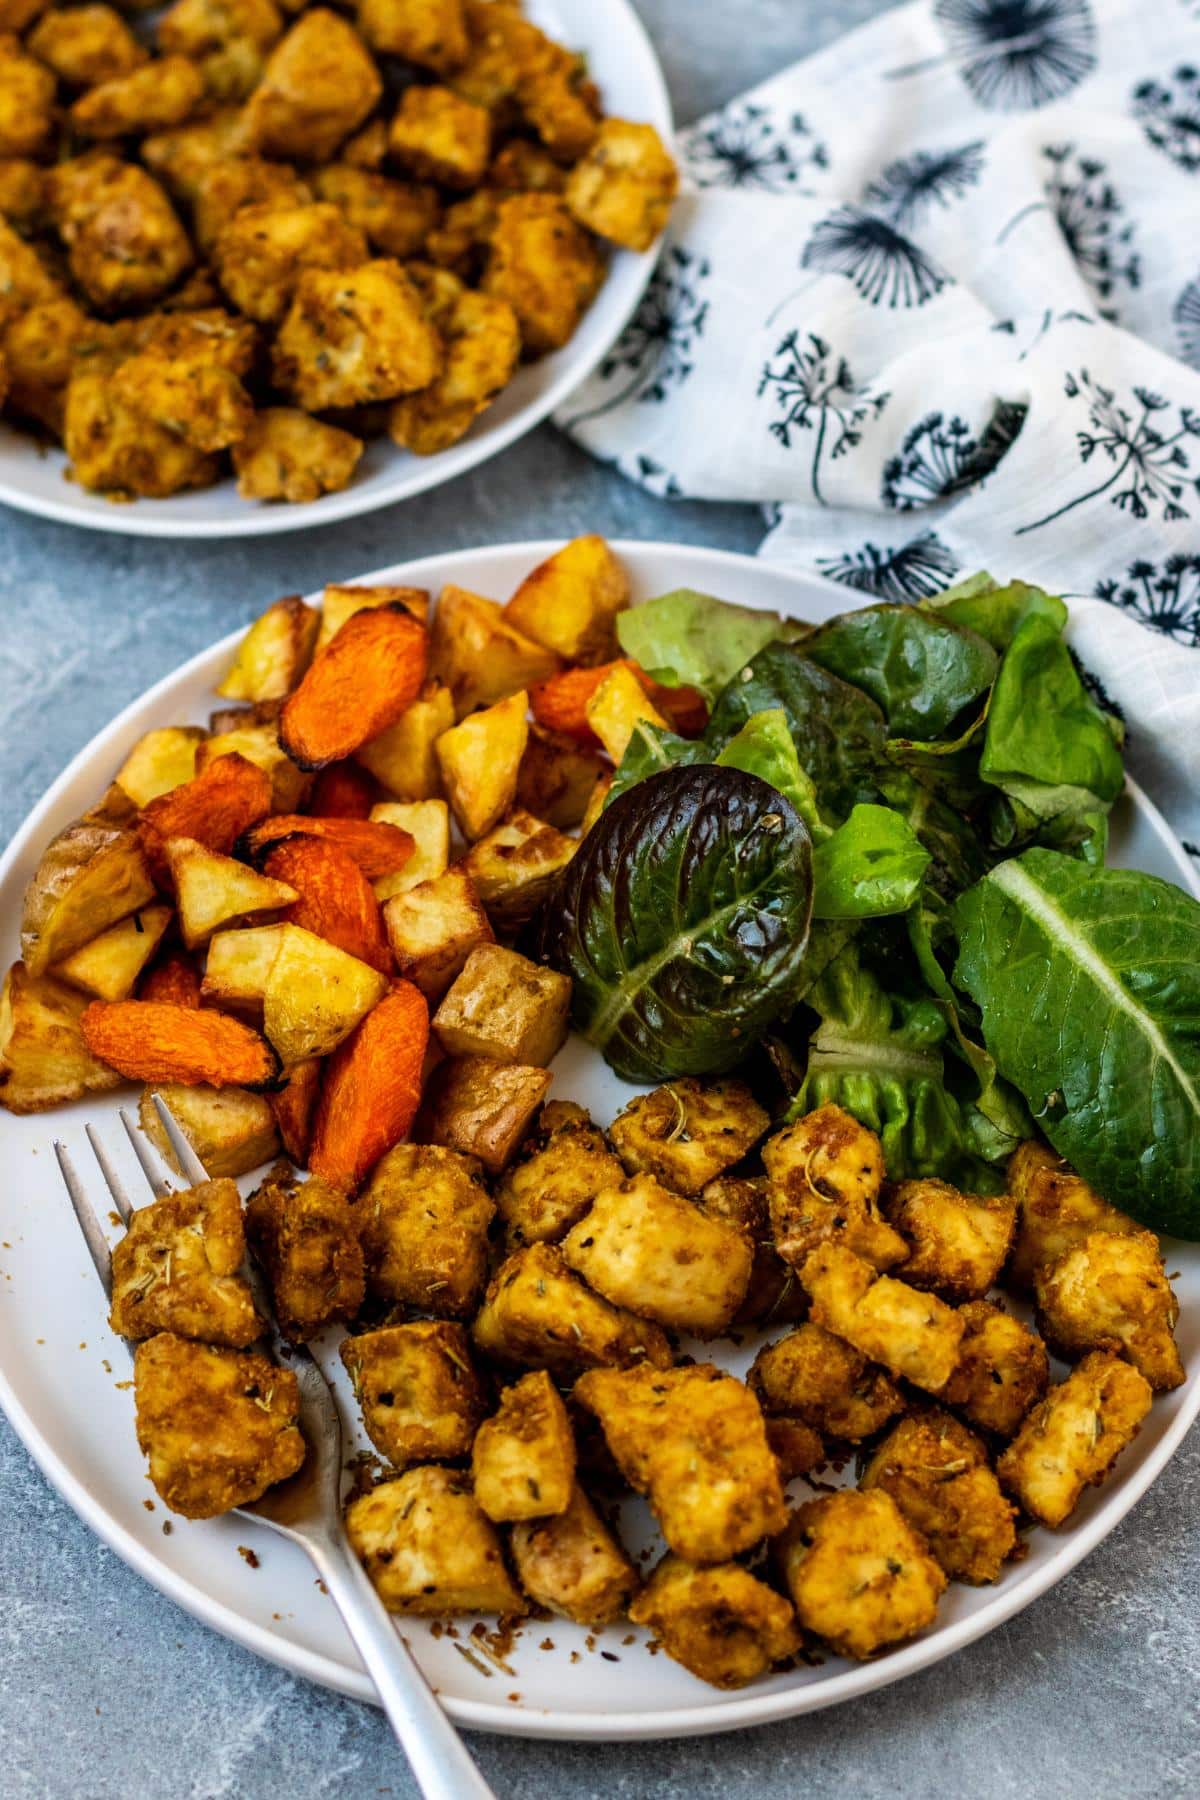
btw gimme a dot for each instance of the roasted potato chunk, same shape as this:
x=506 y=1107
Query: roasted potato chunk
x=514 y=866
x=824 y=1382
x=26 y=100
x=425 y=1216
x=318 y=86
x=275 y=652
x=307 y=1238
x=523 y=1460
x=721 y=1623
x=238 y=967
x=420 y=1397
x=556 y=778
x=44 y=1060
x=623 y=188
x=430 y=33
x=1056 y=1209
x=434 y=928
x=315 y=995
x=354 y=337
x=219 y=1426
x=1074 y=1436
x=150 y=98
x=91 y=876
x=159 y=761
x=1002 y=1369
x=562 y=1168
x=178 y=1269
x=480 y=657
x=428 y=1547
x=937 y=1473
x=109 y=966
x=859 y=1575
x=545 y=266
x=403 y=758
x=913 y=1334
x=396 y=217
x=480 y=760
x=482 y=344
x=438 y=136
x=537 y=1312
x=341 y=600
x=688 y=1132
x=573 y=1564
x=506 y=1007
x=959 y=1241
x=617 y=706
x=1110 y=1292
x=481 y=1108
x=774 y=1296
x=231 y=1130
x=212 y=890
x=262 y=252
x=570 y=601
x=86 y=44
x=124 y=243
x=825 y=1174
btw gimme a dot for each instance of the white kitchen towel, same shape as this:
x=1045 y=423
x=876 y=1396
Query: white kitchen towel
x=933 y=297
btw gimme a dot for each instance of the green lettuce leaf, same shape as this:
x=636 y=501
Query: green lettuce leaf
x=997 y=612
x=872 y=865
x=922 y=669
x=765 y=747
x=688 y=639
x=651 y=749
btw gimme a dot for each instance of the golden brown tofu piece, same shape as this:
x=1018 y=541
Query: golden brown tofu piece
x=223 y=187
x=481 y=1107
x=116 y=450
x=1110 y=1292
x=438 y=136
x=915 y=1335
x=44 y=1061
x=219 y=1426
x=694 y=1442
x=570 y=602
x=859 y=1575
x=556 y=778
x=395 y=216
x=434 y=927
x=824 y=1382
x=178 y=1269
x=430 y=33
x=354 y=337
x=86 y=44
x=198 y=401
x=26 y=281
x=124 y=243
x=826 y=1172
x=425 y=1217
x=774 y=1295
x=623 y=188
x=39 y=349
x=563 y=1166
x=688 y=1132
x=505 y=1007
x=26 y=100
x=1056 y=1209
x=523 y=1460
x=574 y=1564
x=263 y=250
x=185 y=156
x=796 y=1447
x=546 y=267
x=222 y=37
x=722 y=1623
x=520 y=167
x=479 y=657
x=22 y=192
x=420 y=1396
x=1002 y=1369
x=959 y=1241
x=319 y=85
x=482 y=344
x=288 y=455
x=937 y=1472
x=429 y=1549
x=367 y=149
x=536 y=1311
x=306 y=1237
x=658 y=1254
x=1073 y=1437
x=150 y=98
x=457 y=243
x=514 y=865
x=15 y=15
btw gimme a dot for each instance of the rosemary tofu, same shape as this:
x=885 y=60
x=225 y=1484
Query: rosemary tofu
x=438 y=136
x=1110 y=1292
x=434 y=927
x=425 y=1218
x=937 y=1472
x=693 y=1441
x=319 y=85
x=514 y=865
x=523 y=1460
x=420 y=1396
x=623 y=188
x=219 y=1426
x=545 y=265
x=504 y=1007
x=825 y=1175
x=481 y=1107
x=1073 y=1437
x=688 y=1132
x=537 y=1312
x=959 y=1241
x=658 y=1254
x=859 y=1575
x=563 y=1165
x=1056 y=1208
x=307 y=1239
x=721 y=1623
x=912 y=1334
x=178 y=1269
x=773 y=1296
x=796 y=1447
x=354 y=336
x=1002 y=1369
x=825 y=1383
x=574 y=1564
x=429 y=1549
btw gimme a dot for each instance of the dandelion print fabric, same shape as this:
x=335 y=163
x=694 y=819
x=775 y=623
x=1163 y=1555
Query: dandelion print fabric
x=932 y=298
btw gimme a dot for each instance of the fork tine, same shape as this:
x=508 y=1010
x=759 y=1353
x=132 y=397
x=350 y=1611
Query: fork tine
x=151 y=1168
x=193 y=1169
x=112 y=1180
x=89 y=1224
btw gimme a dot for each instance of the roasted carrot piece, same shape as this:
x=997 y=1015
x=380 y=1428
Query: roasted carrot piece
x=336 y=901
x=343 y=790
x=372 y=1089
x=293 y=1107
x=356 y=687
x=154 y=1040
x=684 y=708
x=174 y=981
x=560 y=702
x=215 y=808
x=378 y=849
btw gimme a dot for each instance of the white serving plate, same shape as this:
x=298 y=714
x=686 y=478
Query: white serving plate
x=622 y=61
x=78 y=1422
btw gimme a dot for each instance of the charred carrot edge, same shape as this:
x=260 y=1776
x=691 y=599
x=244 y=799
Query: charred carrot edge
x=343 y=790
x=215 y=808
x=378 y=849
x=173 y=982
x=153 y=1040
x=336 y=902
x=684 y=708
x=294 y=1105
x=372 y=1089
x=560 y=702
x=359 y=685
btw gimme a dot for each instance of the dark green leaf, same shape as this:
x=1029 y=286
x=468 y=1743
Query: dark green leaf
x=871 y=866
x=922 y=669
x=650 y=750
x=687 y=639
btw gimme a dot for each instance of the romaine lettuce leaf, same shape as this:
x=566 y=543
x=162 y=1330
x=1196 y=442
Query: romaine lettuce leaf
x=688 y=639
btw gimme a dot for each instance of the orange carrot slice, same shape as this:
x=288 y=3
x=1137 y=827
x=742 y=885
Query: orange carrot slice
x=372 y=1089
x=343 y=790
x=356 y=687
x=378 y=849
x=336 y=901
x=174 y=981
x=153 y=1040
x=294 y=1105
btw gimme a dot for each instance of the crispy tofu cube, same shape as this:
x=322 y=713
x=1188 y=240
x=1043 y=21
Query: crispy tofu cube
x=562 y=1168
x=219 y=1426
x=859 y=1575
x=722 y=1623
x=150 y=98
x=774 y=1296
x=425 y=1218
x=184 y=155
x=44 y=1060
x=429 y=1549
x=937 y=1472
x=124 y=243
x=657 y=1254
x=395 y=216
x=438 y=136
x=231 y=1130
x=523 y=1460
x=1002 y=1369
x=315 y=995
x=481 y=1107
x=959 y=1241
x=546 y=267
x=480 y=760
x=478 y=655
x=25 y=280
x=796 y=1447
x=420 y=1397
x=263 y=250
x=556 y=778
x=116 y=449
x=618 y=704
x=689 y=1131
x=90 y=876
x=288 y=455
x=198 y=28
x=403 y=758
x=86 y=44
x=537 y=1312
x=1056 y=1209
x=233 y=181
x=259 y=744
x=506 y=1007
x=482 y=344
x=318 y=86
x=514 y=866
x=825 y=1174
x=1073 y=1437
x=39 y=348
x=26 y=100
x=458 y=242
x=160 y=761
x=1110 y=1292
x=824 y=1382
x=353 y=337
x=915 y=1335
x=570 y=601
x=238 y=967
x=178 y=1269
x=306 y=1237
x=109 y=966
x=434 y=928
x=693 y=1441
x=430 y=33
x=521 y=167
x=623 y=188
x=573 y=1564
x=211 y=890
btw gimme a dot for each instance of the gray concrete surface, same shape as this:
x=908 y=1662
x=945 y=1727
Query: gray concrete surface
x=107 y=1692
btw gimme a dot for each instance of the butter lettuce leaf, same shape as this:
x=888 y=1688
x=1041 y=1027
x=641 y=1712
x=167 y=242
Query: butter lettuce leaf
x=922 y=669
x=871 y=866
x=689 y=639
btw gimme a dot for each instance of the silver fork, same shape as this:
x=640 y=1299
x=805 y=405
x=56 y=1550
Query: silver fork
x=307 y=1508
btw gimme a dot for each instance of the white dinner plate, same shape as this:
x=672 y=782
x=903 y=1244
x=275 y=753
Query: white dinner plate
x=622 y=61
x=64 y=1378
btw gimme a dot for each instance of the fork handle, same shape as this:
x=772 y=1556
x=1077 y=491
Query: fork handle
x=436 y=1753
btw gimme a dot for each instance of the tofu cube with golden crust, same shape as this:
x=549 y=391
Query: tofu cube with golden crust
x=306 y=1237
x=275 y=653
x=623 y=188
x=1073 y=1437
x=482 y=345
x=403 y=758
x=183 y=156
x=438 y=136
x=722 y=1623
x=824 y=1382
x=429 y=1549
x=478 y=655
x=318 y=86
x=523 y=1459
x=570 y=601
x=959 y=1241
x=353 y=337
x=1110 y=1292
x=1056 y=1209
x=425 y=1217
x=481 y=1107
x=563 y=1166
x=150 y=98
x=434 y=928
x=574 y=1565
x=556 y=778
x=177 y=1268
x=915 y=1335
x=506 y=1007
x=796 y=1447
x=231 y=1130
x=514 y=866
x=536 y=1311
x=545 y=265
x=86 y=44
x=26 y=100
x=44 y=1060
x=859 y=1575
x=231 y=182
x=1002 y=1369
x=774 y=1295
x=219 y=1426
x=617 y=707
x=262 y=251
x=480 y=760
x=25 y=280
x=395 y=216
x=115 y=449
x=39 y=352
x=656 y=1253
x=420 y=1396
x=430 y=33
x=124 y=243
x=825 y=1173
x=688 y=1132
x=288 y=455
x=937 y=1472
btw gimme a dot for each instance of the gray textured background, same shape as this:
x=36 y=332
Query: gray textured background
x=106 y=1690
